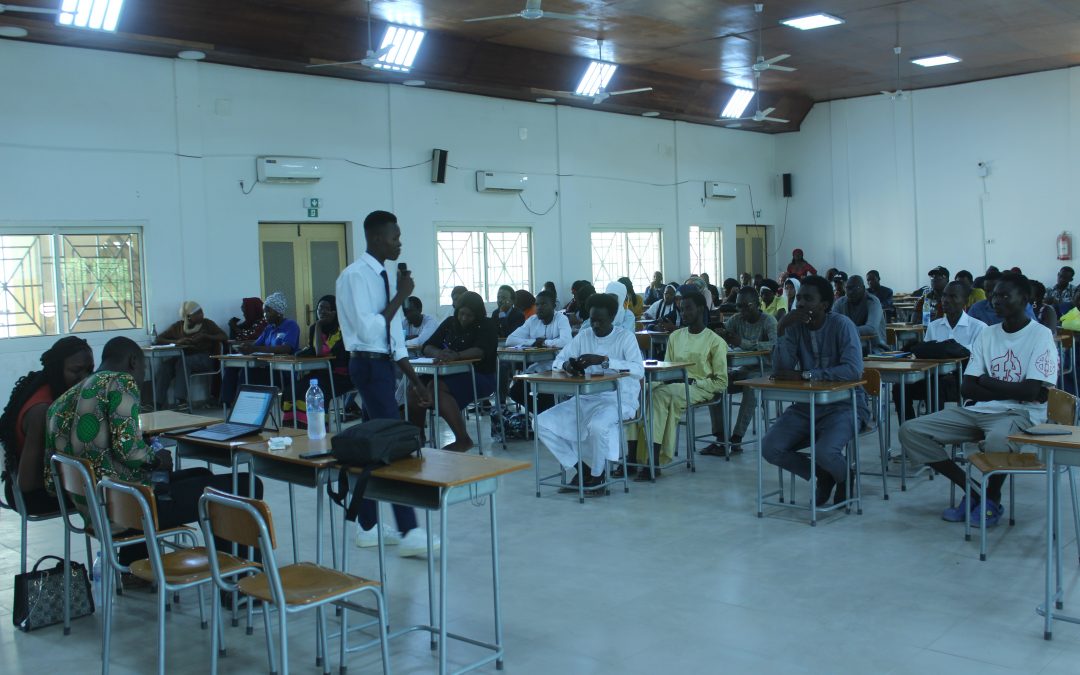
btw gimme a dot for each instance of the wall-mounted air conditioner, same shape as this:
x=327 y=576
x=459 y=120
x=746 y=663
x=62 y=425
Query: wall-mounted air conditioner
x=497 y=181
x=714 y=190
x=288 y=169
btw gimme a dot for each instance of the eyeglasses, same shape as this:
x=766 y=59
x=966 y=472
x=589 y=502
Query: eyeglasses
x=744 y=305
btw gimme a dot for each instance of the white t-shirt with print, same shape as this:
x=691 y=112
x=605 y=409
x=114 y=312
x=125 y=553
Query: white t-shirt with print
x=1027 y=354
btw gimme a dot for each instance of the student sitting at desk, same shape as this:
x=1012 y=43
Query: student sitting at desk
x=707 y=352
x=545 y=329
x=594 y=349
x=750 y=330
x=324 y=339
x=633 y=301
x=98 y=420
x=469 y=334
x=864 y=310
x=418 y=326
x=281 y=336
x=771 y=302
x=624 y=318
x=1070 y=320
x=1012 y=365
x=199 y=337
x=665 y=308
x=253 y=324
x=22 y=426
x=984 y=310
x=525 y=302
x=507 y=317
x=817 y=345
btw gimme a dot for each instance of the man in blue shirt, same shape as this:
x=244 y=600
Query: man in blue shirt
x=983 y=310
x=816 y=345
x=884 y=294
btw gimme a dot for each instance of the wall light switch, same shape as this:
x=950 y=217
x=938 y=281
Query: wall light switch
x=523 y=133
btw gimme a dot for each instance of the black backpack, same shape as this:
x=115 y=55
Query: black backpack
x=369 y=445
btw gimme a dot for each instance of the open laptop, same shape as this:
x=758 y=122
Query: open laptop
x=247 y=415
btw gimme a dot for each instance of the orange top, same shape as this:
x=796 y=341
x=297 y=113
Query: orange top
x=42 y=395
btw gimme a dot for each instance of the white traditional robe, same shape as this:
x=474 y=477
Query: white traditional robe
x=597 y=433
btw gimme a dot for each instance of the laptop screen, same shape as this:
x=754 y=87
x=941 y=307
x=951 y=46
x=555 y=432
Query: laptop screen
x=252 y=405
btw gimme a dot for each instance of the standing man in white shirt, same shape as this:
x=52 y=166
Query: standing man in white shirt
x=417 y=325
x=369 y=303
x=1005 y=385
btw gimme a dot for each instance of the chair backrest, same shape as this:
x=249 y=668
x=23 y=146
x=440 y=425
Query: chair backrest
x=76 y=474
x=238 y=519
x=123 y=507
x=1061 y=407
x=644 y=343
x=873 y=382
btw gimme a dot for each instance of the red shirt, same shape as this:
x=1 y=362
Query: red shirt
x=42 y=395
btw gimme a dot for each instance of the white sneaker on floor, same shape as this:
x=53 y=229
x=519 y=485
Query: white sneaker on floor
x=414 y=544
x=369 y=538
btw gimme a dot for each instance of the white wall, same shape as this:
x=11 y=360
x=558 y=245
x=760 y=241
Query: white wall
x=91 y=137
x=893 y=185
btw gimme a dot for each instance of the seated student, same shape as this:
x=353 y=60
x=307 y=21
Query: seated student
x=1044 y=312
x=864 y=310
x=507 y=317
x=979 y=281
x=469 y=334
x=708 y=375
x=253 y=324
x=200 y=338
x=884 y=294
x=98 y=420
x=1012 y=365
x=664 y=308
x=580 y=313
x=931 y=298
x=746 y=280
x=703 y=288
x=1062 y=290
x=816 y=345
x=22 y=426
x=324 y=339
x=799 y=267
x=749 y=330
x=281 y=336
x=549 y=286
x=525 y=302
x=600 y=346
x=633 y=301
x=771 y=302
x=839 y=282
x=544 y=329
x=1070 y=320
x=730 y=290
x=655 y=291
x=955 y=325
x=572 y=306
x=418 y=326
x=714 y=292
x=985 y=311
x=974 y=294
x=624 y=318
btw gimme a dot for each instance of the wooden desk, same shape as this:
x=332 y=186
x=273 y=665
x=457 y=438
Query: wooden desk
x=895 y=332
x=559 y=382
x=155 y=352
x=737 y=357
x=154 y=423
x=656 y=337
x=659 y=372
x=900 y=372
x=300 y=364
x=526 y=357
x=436 y=368
x=433 y=482
x=245 y=361
x=1055 y=450
x=814 y=393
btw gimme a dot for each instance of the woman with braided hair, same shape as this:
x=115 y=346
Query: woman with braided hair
x=22 y=426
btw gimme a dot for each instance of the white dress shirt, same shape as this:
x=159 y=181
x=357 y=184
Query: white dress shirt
x=965 y=332
x=361 y=298
x=556 y=334
x=416 y=336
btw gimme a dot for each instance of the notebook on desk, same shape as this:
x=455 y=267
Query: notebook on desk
x=1048 y=430
x=247 y=416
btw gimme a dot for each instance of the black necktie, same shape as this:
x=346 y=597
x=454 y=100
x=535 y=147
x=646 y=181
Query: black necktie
x=386 y=287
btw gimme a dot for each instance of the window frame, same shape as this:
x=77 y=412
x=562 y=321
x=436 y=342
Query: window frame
x=625 y=229
x=719 y=230
x=94 y=228
x=483 y=230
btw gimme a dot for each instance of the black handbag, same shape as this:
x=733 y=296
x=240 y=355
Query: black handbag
x=39 y=595
x=369 y=445
x=944 y=349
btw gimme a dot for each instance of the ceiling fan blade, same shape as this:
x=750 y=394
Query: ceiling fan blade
x=629 y=91
x=560 y=15
x=334 y=63
x=786 y=69
x=764 y=113
x=493 y=18
x=600 y=97
x=379 y=53
x=552 y=92
x=28 y=10
x=777 y=59
x=774 y=119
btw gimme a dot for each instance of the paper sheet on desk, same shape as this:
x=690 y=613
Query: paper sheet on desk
x=516 y=348
x=171 y=344
x=422 y=360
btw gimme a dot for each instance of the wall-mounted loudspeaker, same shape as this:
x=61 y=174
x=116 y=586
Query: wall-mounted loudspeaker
x=438 y=166
x=787 y=184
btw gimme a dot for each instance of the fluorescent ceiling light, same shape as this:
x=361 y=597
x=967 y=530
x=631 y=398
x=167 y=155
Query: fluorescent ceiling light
x=737 y=103
x=931 y=61
x=545 y=99
x=813 y=21
x=92 y=14
x=191 y=55
x=596 y=78
x=13 y=32
x=404 y=43
x=651 y=113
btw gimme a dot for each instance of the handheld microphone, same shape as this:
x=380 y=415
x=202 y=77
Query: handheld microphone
x=402 y=268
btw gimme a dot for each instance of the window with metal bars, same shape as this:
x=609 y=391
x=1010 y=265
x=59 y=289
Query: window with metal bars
x=482 y=260
x=636 y=254
x=706 y=252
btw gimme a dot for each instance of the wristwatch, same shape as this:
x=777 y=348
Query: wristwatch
x=604 y=364
x=807 y=375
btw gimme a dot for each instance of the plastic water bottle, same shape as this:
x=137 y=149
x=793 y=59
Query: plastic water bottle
x=153 y=334
x=316 y=411
x=95 y=574
x=925 y=315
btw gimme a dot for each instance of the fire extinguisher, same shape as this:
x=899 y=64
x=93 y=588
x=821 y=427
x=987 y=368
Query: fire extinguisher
x=1064 y=246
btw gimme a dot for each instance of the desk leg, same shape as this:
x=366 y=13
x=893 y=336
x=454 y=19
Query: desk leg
x=292 y=381
x=647 y=419
x=536 y=433
x=442 y=579
x=577 y=431
x=435 y=416
x=187 y=382
x=500 y=400
x=292 y=524
x=760 y=465
x=333 y=397
x=153 y=383
x=430 y=578
x=855 y=448
x=813 y=465
x=479 y=433
x=901 y=417
x=690 y=431
x=495 y=586
x=1048 y=600
x=622 y=442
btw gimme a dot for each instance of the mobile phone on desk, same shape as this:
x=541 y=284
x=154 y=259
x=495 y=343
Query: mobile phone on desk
x=651 y=362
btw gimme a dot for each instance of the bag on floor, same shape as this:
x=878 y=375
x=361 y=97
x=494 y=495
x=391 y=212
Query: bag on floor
x=943 y=349
x=368 y=446
x=39 y=595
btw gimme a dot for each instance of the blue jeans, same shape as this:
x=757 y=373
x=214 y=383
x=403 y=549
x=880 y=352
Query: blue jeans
x=790 y=433
x=374 y=379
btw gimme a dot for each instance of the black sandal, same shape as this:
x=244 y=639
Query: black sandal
x=714 y=450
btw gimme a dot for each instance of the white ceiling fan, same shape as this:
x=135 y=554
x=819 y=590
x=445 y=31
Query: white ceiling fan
x=898 y=93
x=761 y=64
x=370 y=59
x=602 y=94
x=531 y=12
x=28 y=10
x=758 y=116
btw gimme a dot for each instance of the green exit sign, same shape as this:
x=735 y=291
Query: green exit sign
x=312 y=203
x=313 y=213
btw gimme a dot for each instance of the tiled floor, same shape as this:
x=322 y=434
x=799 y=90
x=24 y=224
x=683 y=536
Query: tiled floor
x=676 y=577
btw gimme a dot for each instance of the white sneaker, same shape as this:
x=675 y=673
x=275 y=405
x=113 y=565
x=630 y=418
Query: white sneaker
x=369 y=538
x=414 y=544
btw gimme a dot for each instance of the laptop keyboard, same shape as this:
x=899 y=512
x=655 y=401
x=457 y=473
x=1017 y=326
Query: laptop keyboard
x=227 y=428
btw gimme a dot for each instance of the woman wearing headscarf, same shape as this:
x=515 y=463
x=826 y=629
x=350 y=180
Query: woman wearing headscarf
x=469 y=334
x=798 y=267
x=22 y=426
x=253 y=324
x=324 y=339
x=665 y=309
x=633 y=301
x=791 y=292
x=280 y=336
x=200 y=338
